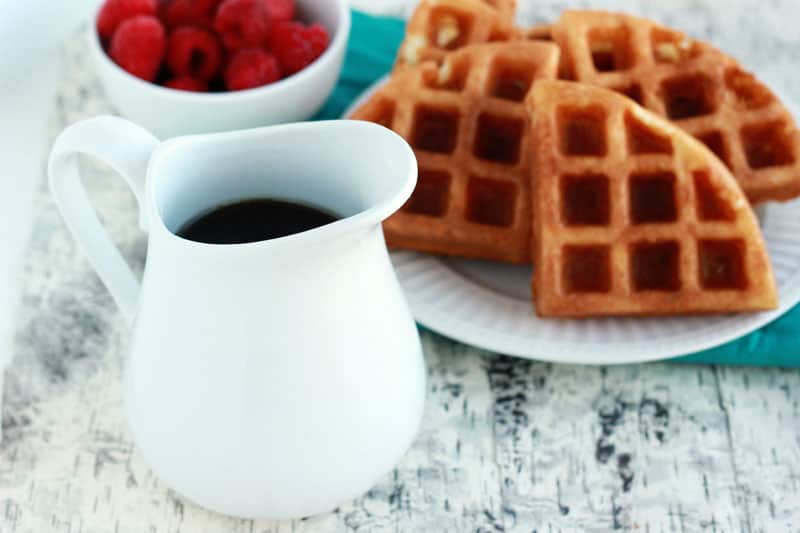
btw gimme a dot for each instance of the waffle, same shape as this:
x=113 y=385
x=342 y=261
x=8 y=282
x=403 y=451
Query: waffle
x=438 y=27
x=468 y=125
x=699 y=88
x=634 y=216
x=540 y=32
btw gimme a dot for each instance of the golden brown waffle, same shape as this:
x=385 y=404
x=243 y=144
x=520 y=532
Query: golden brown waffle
x=469 y=128
x=634 y=216
x=540 y=32
x=699 y=88
x=438 y=27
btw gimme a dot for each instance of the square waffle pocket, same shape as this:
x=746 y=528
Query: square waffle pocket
x=700 y=89
x=634 y=216
x=470 y=130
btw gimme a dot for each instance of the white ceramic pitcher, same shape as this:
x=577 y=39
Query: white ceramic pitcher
x=276 y=379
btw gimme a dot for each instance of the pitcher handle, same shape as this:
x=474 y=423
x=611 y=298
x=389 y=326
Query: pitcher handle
x=127 y=148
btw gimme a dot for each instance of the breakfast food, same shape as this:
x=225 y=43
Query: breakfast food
x=194 y=53
x=438 y=27
x=195 y=13
x=635 y=217
x=251 y=67
x=623 y=211
x=242 y=23
x=138 y=46
x=541 y=32
x=209 y=45
x=281 y=10
x=469 y=128
x=115 y=12
x=702 y=90
x=296 y=46
x=187 y=83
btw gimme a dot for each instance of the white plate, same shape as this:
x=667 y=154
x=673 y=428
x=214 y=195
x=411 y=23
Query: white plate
x=488 y=305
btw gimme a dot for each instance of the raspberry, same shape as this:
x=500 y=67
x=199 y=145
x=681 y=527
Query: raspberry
x=198 y=13
x=249 y=68
x=297 y=46
x=187 y=83
x=114 y=12
x=194 y=52
x=318 y=39
x=242 y=23
x=280 y=10
x=138 y=46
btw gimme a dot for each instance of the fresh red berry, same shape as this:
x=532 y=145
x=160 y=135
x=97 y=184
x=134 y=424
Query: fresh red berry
x=188 y=83
x=198 y=13
x=242 y=23
x=194 y=52
x=138 y=46
x=114 y=12
x=281 y=10
x=297 y=46
x=251 y=67
x=318 y=38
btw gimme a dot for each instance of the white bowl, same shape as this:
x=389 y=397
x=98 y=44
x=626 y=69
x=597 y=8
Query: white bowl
x=170 y=113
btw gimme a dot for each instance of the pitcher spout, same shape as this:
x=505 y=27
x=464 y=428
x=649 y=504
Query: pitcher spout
x=359 y=171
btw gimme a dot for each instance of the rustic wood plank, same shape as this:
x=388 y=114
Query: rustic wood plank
x=566 y=439
x=685 y=477
x=763 y=411
x=618 y=448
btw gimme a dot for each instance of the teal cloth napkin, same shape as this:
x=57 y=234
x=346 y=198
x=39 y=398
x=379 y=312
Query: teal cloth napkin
x=373 y=46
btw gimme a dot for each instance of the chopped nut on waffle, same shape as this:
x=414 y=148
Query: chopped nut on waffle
x=469 y=127
x=635 y=217
x=702 y=90
x=441 y=26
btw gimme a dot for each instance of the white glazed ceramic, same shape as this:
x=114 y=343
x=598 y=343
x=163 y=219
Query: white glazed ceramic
x=169 y=113
x=275 y=379
x=488 y=304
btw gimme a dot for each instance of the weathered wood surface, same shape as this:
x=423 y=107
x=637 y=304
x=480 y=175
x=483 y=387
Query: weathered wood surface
x=506 y=445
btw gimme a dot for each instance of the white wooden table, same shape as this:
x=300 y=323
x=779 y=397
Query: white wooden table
x=506 y=445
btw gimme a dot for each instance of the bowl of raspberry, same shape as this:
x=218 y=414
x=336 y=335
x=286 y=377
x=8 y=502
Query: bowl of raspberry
x=181 y=67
